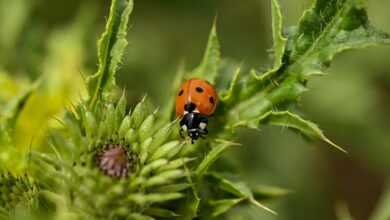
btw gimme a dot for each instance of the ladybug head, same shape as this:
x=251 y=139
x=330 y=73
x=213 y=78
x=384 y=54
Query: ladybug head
x=189 y=107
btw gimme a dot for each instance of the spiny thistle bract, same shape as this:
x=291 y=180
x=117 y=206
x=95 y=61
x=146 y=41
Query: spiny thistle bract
x=16 y=192
x=111 y=164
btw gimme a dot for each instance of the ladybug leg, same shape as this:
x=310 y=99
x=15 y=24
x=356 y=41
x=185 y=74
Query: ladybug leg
x=203 y=133
x=183 y=127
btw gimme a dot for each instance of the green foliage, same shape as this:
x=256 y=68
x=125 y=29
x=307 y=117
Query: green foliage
x=106 y=162
x=211 y=157
x=74 y=170
x=252 y=100
x=236 y=188
x=13 y=16
x=16 y=192
x=323 y=31
x=209 y=67
x=327 y=29
x=11 y=112
x=24 y=120
x=9 y=115
x=294 y=121
x=278 y=39
x=110 y=49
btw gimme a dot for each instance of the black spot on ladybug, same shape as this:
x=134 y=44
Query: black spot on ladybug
x=181 y=93
x=199 y=89
x=211 y=99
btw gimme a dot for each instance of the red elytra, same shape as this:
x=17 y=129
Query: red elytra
x=199 y=92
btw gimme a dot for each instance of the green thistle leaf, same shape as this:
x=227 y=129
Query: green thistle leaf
x=168 y=109
x=190 y=208
x=211 y=157
x=236 y=188
x=290 y=120
x=279 y=41
x=326 y=29
x=110 y=49
x=208 y=69
x=262 y=192
x=222 y=206
x=231 y=94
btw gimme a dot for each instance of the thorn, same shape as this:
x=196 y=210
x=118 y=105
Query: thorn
x=82 y=75
x=58 y=120
x=258 y=204
x=223 y=141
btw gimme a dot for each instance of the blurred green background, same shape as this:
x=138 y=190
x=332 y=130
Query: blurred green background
x=56 y=40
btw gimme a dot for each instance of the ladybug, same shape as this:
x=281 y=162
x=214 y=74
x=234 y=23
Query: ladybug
x=195 y=102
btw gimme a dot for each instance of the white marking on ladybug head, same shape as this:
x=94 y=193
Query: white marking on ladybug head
x=184 y=127
x=202 y=125
x=196 y=111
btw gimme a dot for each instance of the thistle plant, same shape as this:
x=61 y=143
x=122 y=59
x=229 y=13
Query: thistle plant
x=16 y=193
x=111 y=161
x=128 y=165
